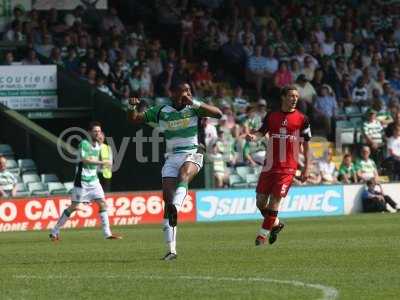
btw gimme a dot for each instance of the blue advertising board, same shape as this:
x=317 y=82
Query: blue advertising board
x=229 y=205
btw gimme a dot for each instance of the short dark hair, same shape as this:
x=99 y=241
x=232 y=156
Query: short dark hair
x=94 y=124
x=285 y=90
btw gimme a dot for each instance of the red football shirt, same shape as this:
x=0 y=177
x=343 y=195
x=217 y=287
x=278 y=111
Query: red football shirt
x=287 y=130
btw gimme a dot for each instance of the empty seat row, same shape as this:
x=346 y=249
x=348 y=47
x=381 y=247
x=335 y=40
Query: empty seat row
x=42 y=189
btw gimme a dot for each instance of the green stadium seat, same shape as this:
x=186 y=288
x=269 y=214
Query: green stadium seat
x=12 y=166
x=352 y=110
x=46 y=178
x=69 y=186
x=38 y=189
x=242 y=171
x=56 y=188
x=28 y=178
x=22 y=190
x=252 y=179
x=26 y=165
x=6 y=150
x=237 y=181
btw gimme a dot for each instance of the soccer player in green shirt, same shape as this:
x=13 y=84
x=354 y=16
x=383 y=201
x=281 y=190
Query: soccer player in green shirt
x=179 y=123
x=87 y=187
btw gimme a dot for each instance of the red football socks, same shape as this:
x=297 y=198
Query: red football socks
x=269 y=219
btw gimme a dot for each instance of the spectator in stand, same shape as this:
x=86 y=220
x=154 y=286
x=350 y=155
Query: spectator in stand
x=393 y=153
x=373 y=134
x=307 y=93
x=394 y=80
x=55 y=57
x=90 y=58
x=221 y=176
x=262 y=108
x=102 y=86
x=8 y=58
x=71 y=62
x=75 y=16
x=135 y=82
x=83 y=70
x=140 y=58
x=45 y=47
x=8 y=182
x=131 y=48
x=283 y=76
x=309 y=68
x=389 y=130
x=254 y=152
x=82 y=48
x=233 y=57
x=253 y=121
x=295 y=68
x=182 y=74
x=210 y=133
x=103 y=66
x=166 y=81
x=202 y=78
x=147 y=89
x=31 y=58
x=374 y=200
x=187 y=35
x=114 y=52
x=14 y=34
x=325 y=108
x=111 y=21
x=92 y=74
x=257 y=69
x=327 y=168
x=347 y=170
x=118 y=82
x=359 y=94
x=210 y=43
x=365 y=166
x=155 y=64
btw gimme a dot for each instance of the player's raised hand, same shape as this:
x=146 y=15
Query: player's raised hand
x=187 y=98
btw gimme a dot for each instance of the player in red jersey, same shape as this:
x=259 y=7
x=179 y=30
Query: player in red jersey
x=289 y=131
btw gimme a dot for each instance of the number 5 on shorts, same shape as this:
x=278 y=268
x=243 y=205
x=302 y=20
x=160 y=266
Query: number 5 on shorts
x=283 y=189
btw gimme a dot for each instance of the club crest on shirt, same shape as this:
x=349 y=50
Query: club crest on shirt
x=284 y=123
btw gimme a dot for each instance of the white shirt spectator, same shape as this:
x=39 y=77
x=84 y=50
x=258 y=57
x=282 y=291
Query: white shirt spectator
x=327 y=170
x=393 y=144
x=258 y=64
x=104 y=67
x=359 y=94
x=328 y=48
x=211 y=135
x=272 y=65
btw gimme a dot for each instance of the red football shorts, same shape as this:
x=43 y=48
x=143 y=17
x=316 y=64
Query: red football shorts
x=276 y=184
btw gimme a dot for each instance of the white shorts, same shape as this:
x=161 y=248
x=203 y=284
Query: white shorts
x=175 y=161
x=87 y=194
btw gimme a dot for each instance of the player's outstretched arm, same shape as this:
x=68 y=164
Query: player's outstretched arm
x=133 y=115
x=211 y=111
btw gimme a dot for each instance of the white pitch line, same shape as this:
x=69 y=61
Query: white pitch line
x=329 y=293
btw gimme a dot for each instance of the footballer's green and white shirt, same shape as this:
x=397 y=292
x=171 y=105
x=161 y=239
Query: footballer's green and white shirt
x=180 y=128
x=86 y=174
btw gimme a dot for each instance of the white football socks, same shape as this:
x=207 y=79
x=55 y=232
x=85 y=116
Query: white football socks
x=170 y=236
x=105 y=223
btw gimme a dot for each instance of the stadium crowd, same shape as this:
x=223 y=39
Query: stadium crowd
x=343 y=57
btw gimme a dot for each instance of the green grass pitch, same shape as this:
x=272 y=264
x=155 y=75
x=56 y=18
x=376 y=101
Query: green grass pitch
x=352 y=257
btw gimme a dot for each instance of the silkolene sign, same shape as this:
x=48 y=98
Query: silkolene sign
x=123 y=209
x=229 y=205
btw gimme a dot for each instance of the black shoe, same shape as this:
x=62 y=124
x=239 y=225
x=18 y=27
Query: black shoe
x=170 y=256
x=273 y=236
